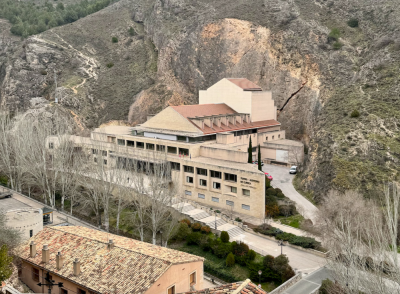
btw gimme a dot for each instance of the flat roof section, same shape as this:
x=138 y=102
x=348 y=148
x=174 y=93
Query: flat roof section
x=8 y=204
x=223 y=164
x=245 y=84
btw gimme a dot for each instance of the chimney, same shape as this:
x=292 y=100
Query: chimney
x=32 y=249
x=110 y=244
x=59 y=261
x=45 y=254
x=77 y=267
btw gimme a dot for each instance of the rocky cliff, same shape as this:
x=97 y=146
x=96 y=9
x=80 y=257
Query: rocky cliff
x=320 y=80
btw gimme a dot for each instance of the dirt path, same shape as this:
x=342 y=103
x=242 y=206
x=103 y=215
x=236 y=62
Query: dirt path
x=77 y=120
x=77 y=86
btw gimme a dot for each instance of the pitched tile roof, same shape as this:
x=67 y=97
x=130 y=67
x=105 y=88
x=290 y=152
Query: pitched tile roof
x=202 y=110
x=246 y=287
x=245 y=84
x=130 y=267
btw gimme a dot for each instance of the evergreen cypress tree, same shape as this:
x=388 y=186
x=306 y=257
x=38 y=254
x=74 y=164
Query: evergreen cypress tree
x=259 y=158
x=250 y=151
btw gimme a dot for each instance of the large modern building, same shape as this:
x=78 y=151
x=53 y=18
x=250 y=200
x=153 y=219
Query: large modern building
x=207 y=145
x=89 y=261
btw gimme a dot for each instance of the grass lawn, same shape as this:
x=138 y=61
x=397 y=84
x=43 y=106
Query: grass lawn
x=241 y=272
x=293 y=220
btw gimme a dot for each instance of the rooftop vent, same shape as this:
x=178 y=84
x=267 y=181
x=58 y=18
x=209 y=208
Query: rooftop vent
x=45 y=253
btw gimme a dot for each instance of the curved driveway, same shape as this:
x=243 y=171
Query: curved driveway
x=283 y=180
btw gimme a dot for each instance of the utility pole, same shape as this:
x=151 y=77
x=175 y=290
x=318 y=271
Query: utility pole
x=50 y=283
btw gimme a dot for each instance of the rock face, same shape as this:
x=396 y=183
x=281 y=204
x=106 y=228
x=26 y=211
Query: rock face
x=180 y=47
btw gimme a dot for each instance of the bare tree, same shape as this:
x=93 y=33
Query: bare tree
x=362 y=238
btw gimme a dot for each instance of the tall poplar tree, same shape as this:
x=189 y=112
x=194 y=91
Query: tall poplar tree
x=250 y=151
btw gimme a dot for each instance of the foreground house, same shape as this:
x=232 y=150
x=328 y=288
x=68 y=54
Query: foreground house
x=91 y=261
x=206 y=144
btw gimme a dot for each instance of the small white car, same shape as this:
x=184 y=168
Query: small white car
x=293 y=170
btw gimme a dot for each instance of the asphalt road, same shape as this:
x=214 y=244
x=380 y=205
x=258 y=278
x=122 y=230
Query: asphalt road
x=283 y=180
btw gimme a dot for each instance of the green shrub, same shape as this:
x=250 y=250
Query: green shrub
x=337 y=45
x=251 y=255
x=114 y=39
x=224 y=237
x=205 y=229
x=196 y=227
x=110 y=65
x=328 y=287
x=206 y=242
x=230 y=260
x=267 y=183
x=238 y=219
x=240 y=249
x=183 y=231
x=219 y=272
x=217 y=211
x=280 y=195
x=277 y=190
x=131 y=31
x=271 y=191
x=193 y=238
x=353 y=23
x=221 y=249
x=355 y=113
x=334 y=35
x=187 y=221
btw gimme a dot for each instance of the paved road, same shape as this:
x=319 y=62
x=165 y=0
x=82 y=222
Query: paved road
x=309 y=283
x=283 y=180
x=298 y=259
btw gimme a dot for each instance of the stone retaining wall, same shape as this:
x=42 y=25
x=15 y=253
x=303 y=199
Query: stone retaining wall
x=289 y=283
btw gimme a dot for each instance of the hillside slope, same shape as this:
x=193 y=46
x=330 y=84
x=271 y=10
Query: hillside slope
x=181 y=46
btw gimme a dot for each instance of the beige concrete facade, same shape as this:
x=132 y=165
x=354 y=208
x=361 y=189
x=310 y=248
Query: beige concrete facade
x=28 y=221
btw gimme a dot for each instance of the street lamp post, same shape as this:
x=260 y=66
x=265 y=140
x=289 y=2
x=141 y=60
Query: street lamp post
x=50 y=283
x=280 y=243
x=259 y=279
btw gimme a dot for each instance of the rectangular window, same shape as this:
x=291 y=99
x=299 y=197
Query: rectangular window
x=215 y=199
x=110 y=139
x=121 y=142
x=217 y=185
x=175 y=166
x=203 y=182
x=216 y=174
x=104 y=152
x=30 y=233
x=64 y=291
x=188 y=193
x=181 y=138
x=246 y=192
x=188 y=169
x=201 y=171
x=95 y=151
x=51 y=145
x=80 y=291
x=254 y=149
x=184 y=151
x=140 y=145
x=192 y=279
x=279 y=136
x=273 y=137
x=130 y=143
x=105 y=161
x=161 y=148
x=202 y=196
x=244 y=206
x=171 y=290
x=171 y=150
x=266 y=138
x=230 y=177
x=35 y=274
x=233 y=189
x=230 y=203
x=95 y=159
x=189 y=180
x=150 y=146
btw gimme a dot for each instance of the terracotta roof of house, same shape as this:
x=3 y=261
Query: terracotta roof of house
x=245 y=84
x=246 y=287
x=130 y=267
x=203 y=110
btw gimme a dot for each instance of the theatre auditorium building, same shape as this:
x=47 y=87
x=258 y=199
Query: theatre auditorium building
x=207 y=145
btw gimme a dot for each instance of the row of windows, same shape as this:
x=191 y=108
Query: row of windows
x=213 y=173
x=216 y=199
x=217 y=186
x=273 y=137
x=151 y=146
